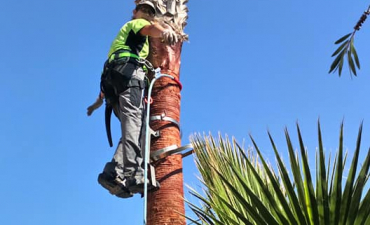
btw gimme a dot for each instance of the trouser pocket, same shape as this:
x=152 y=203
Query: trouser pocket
x=121 y=75
x=136 y=88
x=135 y=96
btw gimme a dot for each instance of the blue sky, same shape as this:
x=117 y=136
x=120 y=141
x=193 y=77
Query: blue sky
x=250 y=66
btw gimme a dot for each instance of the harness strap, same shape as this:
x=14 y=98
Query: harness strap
x=120 y=54
x=164 y=152
x=108 y=114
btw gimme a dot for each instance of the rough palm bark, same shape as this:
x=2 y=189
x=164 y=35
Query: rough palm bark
x=165 y=204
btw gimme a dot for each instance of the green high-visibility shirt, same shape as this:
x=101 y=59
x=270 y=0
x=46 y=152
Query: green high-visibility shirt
x=129 y=38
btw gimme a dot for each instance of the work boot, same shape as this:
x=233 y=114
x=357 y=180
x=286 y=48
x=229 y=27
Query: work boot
x=136 y=185
x=115 y=186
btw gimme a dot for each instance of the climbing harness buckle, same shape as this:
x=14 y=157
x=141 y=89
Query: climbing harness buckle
x=146 y=63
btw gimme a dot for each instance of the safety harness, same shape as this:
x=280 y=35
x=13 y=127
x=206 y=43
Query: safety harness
x=119 y=57
x=108 y=84
x=109 y=109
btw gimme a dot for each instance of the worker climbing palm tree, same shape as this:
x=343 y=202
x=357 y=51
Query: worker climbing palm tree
x=122 y=86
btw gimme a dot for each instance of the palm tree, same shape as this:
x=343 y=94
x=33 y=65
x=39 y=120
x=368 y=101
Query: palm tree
x=242 y=188
x=166 y=205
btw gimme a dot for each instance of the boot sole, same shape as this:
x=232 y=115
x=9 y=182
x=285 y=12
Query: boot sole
x=114 y=187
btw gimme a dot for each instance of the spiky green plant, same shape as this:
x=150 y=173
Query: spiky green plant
x=243 y=188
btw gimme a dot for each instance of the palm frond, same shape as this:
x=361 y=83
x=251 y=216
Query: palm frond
x=241 y=187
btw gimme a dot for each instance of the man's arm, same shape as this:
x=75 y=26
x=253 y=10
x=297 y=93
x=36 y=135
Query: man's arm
x=154 y=30
x=98 y=102
x=157 y=31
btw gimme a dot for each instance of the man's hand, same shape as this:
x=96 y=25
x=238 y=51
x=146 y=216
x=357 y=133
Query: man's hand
x=97 y=104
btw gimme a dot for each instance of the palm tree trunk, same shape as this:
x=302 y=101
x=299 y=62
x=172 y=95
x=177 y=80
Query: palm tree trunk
x=166 y=204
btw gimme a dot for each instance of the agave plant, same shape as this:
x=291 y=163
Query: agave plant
x=241 y=187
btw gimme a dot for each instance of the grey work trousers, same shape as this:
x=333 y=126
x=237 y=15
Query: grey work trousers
x=127 y=161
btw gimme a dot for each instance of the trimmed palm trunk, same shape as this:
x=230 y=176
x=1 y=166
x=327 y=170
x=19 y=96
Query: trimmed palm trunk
x=166 y=204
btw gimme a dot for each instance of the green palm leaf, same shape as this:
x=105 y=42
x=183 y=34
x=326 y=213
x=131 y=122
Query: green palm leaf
x=358 y=191
x=364 y=210
x=281 y=202
x=298 y=181
x=293 y=200
x=308 y=186
x=335 y=196
x=242 y=188
x=322 y=183
x=347 y=194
